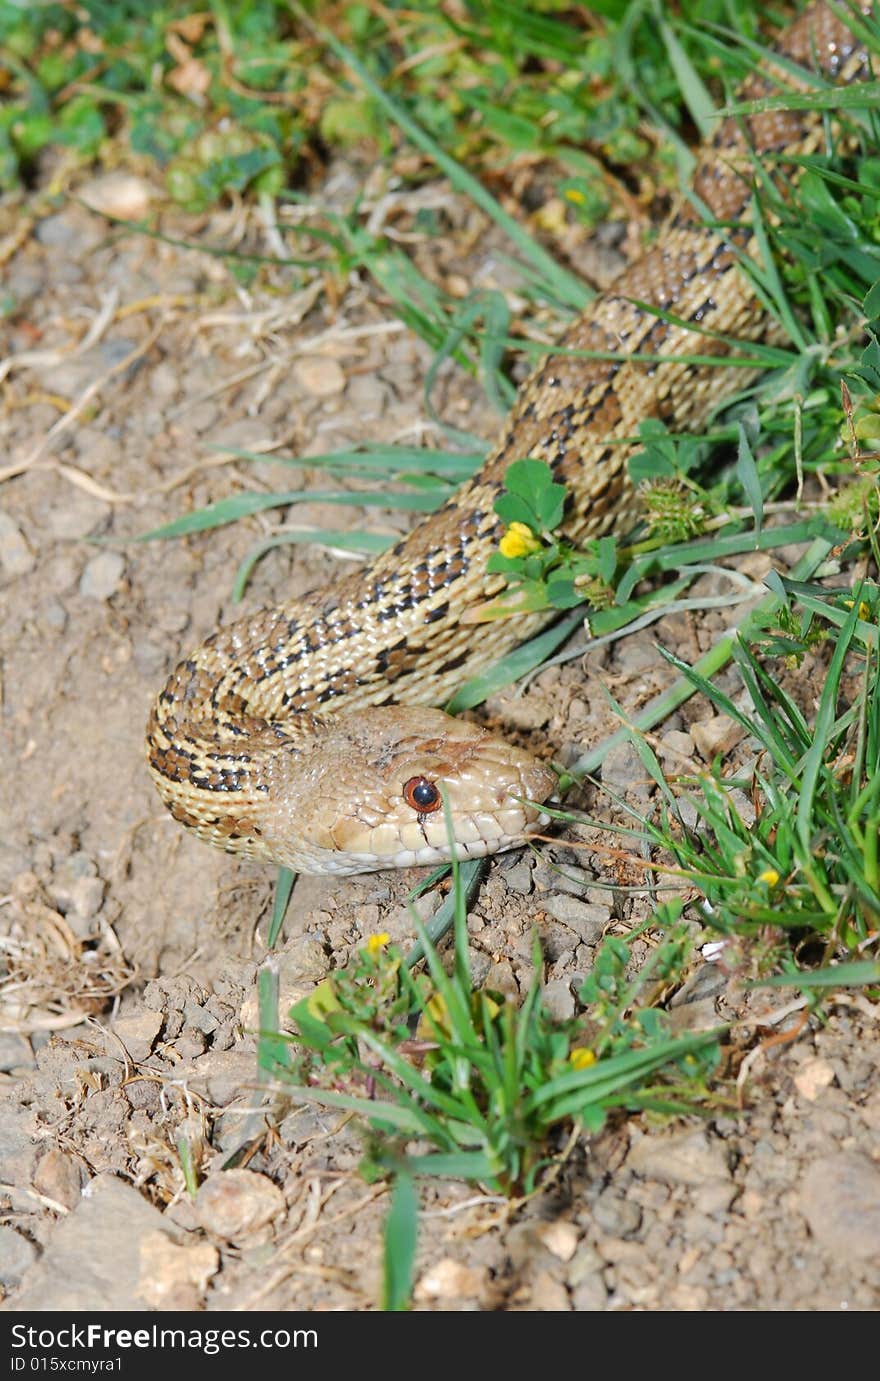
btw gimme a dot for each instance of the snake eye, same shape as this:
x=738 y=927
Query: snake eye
x=422 y=795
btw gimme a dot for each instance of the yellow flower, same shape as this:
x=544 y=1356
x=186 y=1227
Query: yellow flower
x=377 y=942
x=770 y=876
x=581 y=1057
x=864 y=611
x=574 y=194
x=518 y=540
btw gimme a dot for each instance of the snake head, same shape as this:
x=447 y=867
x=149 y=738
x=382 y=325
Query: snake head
x=369 y=794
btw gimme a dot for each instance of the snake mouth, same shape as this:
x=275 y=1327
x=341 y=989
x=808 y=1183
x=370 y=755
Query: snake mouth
x=419 y=849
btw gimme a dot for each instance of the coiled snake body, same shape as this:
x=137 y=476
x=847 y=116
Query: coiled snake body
x=298 y=734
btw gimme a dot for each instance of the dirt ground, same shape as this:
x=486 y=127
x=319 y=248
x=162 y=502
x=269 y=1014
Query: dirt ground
x=131 y=950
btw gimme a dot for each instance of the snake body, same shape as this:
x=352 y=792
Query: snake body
x=299 y=733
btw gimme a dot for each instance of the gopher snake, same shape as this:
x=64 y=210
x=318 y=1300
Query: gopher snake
x=240 y=742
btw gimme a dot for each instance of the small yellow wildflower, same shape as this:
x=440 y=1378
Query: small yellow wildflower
x=581 y=1058
x=770 y=876
x=518 y=540
x=864 y=611
x=576 y=195
x=377 y=942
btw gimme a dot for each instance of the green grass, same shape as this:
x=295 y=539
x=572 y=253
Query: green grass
x=778 y=854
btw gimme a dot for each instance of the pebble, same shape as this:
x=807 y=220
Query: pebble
x=840 y=1199
x=233 y=1203
x=202 y=417
x=17 y=1253
x=225 y=1073
x=585 y=1262
x=560 y=1238
x=93 y=1258
x=588 y=922
x=59 y=1177
x=149 y=657
x=549 y=1295
x=16 y=557
x=102 y=575
x=118 y=194
x=15 y=1053
x=676 y=748
x=86 y=896
x=518 y=876
x=623 y=772
x=685 y=1158
x=449 y=1279
x=78 y=516
x=501 y=979
x=175 y=1278
x=53 y=616
x=320 y=376
x=73 y=231
x=717 y=734
x=619 y=1216
x=138 y=1032
x=590 y=1295
x=812 y=1077
x=72 y=375
x=558 y=999
x=164 y=382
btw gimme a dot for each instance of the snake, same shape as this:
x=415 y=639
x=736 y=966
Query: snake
x=308 y=734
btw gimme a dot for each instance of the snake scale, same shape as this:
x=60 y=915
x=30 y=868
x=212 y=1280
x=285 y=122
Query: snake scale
x=300 y=734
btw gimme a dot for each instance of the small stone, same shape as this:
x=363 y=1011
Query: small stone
x=812 y=1077
x=320 y=376
x=118 y=194
x=301 y=967
x=588 y=922
x=585 y=1262
x=138 y=1032
x=74 y=869
x=92 y=1260
x=617 y=1215
x=149 y=656
x=164 y=382
x=676 y=748
x=717 y=734
x=58 y=1176
x=78 y=516
x=549 y=1295
x=175 y=1278
x=715 y=1198
x=840 y=1199
x=53 y=616
x=685 y=1158
x=622 y=769
x=501 y=979
x=449 y=1279
x=86 y=896
x=560 y=1238
x=518 y=876
x=17 y=1253
x=15 y=1053
x=590 y=1295
x=566 y=877
x=233 y=1203
x=73 y=231
x=689 y=1299
x=16 y=557
x=558 y=999
x=226 y=1073
x=102 y=575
